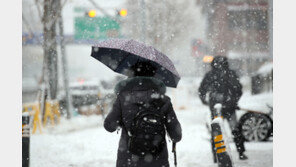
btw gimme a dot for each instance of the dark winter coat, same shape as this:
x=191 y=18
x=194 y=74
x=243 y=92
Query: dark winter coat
x=130 y=91
x=223 y=87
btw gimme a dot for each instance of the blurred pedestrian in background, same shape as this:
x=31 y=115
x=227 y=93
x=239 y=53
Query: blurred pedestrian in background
x=224 y=87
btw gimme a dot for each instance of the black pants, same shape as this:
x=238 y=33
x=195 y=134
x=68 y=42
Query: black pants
x=229 y=114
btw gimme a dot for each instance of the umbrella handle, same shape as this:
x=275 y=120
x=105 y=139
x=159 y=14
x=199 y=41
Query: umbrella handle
x=175 y=153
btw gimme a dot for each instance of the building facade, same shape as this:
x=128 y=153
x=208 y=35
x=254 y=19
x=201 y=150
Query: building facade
x=240 y=30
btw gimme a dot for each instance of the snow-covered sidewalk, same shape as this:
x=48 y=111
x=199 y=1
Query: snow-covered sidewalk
x=95 y=147
x=83 y=142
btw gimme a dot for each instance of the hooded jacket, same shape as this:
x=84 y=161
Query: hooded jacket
x=222 y=84
x=147 y=90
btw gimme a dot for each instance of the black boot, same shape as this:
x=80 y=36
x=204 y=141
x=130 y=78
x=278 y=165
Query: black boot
x=239 y=142
x=242 y=156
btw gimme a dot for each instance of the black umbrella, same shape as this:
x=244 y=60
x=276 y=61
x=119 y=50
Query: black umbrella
x=121 y=54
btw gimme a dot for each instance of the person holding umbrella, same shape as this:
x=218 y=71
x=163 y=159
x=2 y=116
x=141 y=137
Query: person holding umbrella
x=141 y=108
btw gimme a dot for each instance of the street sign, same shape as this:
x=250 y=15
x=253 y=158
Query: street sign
x=95 y=28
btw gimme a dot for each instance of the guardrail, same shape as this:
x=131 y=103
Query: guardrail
x=51 y=112
x=33 y=109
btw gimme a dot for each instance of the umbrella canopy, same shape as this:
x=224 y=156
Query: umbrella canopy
x=121 y=54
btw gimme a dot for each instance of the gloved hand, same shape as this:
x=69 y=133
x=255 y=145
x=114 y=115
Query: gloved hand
x=204 y=102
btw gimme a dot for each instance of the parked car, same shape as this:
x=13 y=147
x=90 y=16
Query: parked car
x=83 y=93
x=256 y=126
x=256 y=116
x=90 y=96
x=262 y=80
x=257 y=123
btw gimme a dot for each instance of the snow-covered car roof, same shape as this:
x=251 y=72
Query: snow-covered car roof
x=256 y=102
x=265 y=68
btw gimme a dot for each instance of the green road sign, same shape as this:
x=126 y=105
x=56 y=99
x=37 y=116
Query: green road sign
x=95 y=28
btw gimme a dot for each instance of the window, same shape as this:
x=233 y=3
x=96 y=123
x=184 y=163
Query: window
x=248 y=1
x=257 y=19
x=236 y=19
x=248 y=19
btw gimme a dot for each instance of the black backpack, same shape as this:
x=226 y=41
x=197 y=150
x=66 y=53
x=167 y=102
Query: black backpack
x=147 y=132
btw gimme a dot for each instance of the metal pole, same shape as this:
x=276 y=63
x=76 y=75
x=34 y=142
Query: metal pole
x=25 y=139
x=143 y=14
x=245 y=44
x=164 y=26
x=65 y=65
x=270 y=30
x=221 y=151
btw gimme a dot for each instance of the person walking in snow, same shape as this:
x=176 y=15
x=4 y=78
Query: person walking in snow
x=224 y=87
x=145 y=114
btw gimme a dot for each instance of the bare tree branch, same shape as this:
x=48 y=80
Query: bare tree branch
x=39 y=10
x=55 y=17
x=29 y=27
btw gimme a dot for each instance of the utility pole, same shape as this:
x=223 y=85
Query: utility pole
x=64 y=63
x=50 y=45
x=143 y=15
x=270 y=30
x=164 y=27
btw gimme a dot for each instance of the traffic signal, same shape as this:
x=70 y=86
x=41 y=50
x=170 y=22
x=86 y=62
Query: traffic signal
x=123 y=12
x=92 y=13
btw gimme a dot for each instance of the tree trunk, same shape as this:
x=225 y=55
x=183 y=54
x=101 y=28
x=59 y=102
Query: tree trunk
x=50 y=45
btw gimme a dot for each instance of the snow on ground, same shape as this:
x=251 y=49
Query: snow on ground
x=83 y=142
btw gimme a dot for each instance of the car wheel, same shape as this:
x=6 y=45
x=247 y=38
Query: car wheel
x=255 y=127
